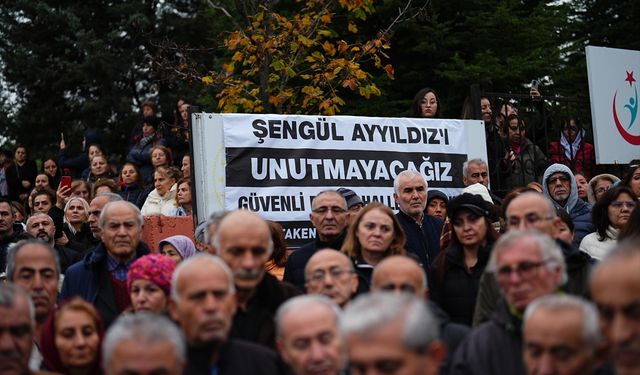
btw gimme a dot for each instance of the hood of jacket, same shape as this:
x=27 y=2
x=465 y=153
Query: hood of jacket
x=573 y=194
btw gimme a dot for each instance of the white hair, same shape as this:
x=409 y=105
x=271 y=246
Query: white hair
x=301 y=303
x=466 y=164
x=8 y=293
x=372 y=311
x=410 y=174
x=105 y=212
x=562 y=302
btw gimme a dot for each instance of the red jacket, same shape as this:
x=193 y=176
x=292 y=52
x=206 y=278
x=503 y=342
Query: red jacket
x=583 y=162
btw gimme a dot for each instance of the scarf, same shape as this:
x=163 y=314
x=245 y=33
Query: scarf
x=570 y=150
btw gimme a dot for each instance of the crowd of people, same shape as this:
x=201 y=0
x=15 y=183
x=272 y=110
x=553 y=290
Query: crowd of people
x=541 y=280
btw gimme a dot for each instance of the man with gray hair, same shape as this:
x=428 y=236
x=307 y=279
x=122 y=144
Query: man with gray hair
x=101 y=277
x=476 y=171
x=394 y=333
x=243 y=241
x=422 y=231
x=527 y=265
x=203 y=302
x=561 y=336
x=42 y=227
x=34 y=265
x=143 y=343
x=615 y=288
x=17 y=322
x=95 y=209
x=308 y=335
x=330 y=218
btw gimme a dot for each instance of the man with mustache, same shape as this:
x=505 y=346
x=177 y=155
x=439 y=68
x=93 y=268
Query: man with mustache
x=41 y=226
x=34 y=266
x=95 y=209
x=243 y=241
x=329 y=215
x=422 y=231
x=203 y=301
x=16 y=330
x=559 y=185
x=101 y=277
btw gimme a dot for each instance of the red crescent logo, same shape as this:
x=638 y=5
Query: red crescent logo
x=633 y=139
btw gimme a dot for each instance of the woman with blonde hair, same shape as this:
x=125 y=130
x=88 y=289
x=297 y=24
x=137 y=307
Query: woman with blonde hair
x=374 y=235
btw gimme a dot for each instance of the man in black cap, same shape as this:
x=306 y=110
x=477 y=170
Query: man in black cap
x=354 y=203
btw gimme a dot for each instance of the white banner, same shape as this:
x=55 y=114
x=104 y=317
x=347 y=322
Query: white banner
x=276 y=164
x=613 y=88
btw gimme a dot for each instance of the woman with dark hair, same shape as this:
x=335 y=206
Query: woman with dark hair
x=77 y=165
x=131 y=184
x=454 y=276
x=140 y=153
x=632 y=179
x=184 y=200
x=426 y=104
x=72 y=338
x=50 y=167
x=374 y=235
x=278 y=259
x=608 y=215
x=567 y=229
x=631 y=230
x=524 y=162
x=572 y=150
x=21 y=175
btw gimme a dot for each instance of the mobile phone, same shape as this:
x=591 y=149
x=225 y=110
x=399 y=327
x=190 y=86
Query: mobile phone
x=65 y=181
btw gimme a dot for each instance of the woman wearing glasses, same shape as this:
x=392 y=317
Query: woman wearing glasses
x=426 y=104
x=373 y=235
x=572 y=150
x=609 y=215
x=524 y=162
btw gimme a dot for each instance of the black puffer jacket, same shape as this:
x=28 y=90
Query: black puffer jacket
x=456 y=290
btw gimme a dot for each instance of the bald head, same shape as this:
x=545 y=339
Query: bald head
x=243 y=241
x=531 y=210
x=400 y=273
x=330 y=273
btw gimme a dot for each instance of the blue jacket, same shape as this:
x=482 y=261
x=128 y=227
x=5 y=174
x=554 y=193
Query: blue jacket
x=423 y=242
x=578 y=210
x=90 y=279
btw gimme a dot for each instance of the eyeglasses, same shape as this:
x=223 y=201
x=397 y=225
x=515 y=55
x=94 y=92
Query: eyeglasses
x=530 y=219
x=323 y=210
x=319 y=276
x=562 y=179
x=525 y=270
x=601 y=190
x=619 y=204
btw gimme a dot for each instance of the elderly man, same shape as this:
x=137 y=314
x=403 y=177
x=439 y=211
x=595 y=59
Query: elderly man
x=17 y=322
x=559 y=185
x=561 y=336
x=329 y=217
x=34 y=266
x=41 y=226
x=101 y=278
x=527 y=265
x=8 y=231
x=143 y=343
x=95 y=209
x=615 y=288
x=476 y=171
x=331 y=273
x=243 y=241
x=309 y=338
x=532 y=210
x=203 y=301
x=392 y=333
x=401 y=274
x=422 y=231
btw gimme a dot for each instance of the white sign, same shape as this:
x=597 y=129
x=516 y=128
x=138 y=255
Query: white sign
x=613 y=88
x=276 y=164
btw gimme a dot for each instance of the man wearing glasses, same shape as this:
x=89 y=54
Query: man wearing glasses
x=527 y=265
x=559 y=185
x=329 y=217
x=532 y=210
x=331 y=273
